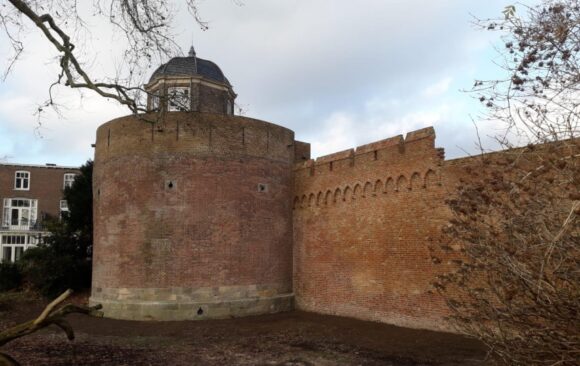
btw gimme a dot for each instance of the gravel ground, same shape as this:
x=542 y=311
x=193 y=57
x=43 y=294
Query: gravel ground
x=289 y=339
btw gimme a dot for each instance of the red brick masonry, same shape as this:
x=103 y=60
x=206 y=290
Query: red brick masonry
x=210 y=209
x=362 y=218
x=194 y=214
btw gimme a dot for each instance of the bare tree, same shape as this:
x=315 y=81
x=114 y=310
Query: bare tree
x=146 y=26
x=510 y=255
x=539 y=99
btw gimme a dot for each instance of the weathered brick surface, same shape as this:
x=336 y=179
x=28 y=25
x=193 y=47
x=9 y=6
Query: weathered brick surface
x=301 y=151
x=229 y=214
x=212 y=100
x=204 y=202
x=46 y=185
x=362 y=219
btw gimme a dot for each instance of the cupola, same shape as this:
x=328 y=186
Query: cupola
x=190 y=84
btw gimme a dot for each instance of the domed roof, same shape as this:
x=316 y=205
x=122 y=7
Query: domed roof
x=190 y=66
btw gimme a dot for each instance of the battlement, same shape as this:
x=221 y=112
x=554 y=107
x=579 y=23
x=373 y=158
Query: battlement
x=417 y=144
x=396 y=164
x=199 y=134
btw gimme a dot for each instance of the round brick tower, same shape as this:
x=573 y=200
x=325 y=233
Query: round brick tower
x=192 y=217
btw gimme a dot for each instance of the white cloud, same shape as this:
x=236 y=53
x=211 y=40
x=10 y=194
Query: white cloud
x=437 y=89
x=339 y=74
x=336 y=135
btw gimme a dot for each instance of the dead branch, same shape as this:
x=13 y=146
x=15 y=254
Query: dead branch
x=69 y=62
x=48 y=317
x=146 y=26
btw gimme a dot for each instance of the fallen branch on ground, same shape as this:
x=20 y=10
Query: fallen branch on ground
x=49 y=316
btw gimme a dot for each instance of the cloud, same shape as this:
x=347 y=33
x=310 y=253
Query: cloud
x=438 y=88
x=336 y=135
x=343 y=130
x=339 y=74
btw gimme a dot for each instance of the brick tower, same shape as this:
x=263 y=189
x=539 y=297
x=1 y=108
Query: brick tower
x=193 y=220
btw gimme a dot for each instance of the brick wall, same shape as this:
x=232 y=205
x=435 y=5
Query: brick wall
x=46 y=185
x=362 y=219
x=204 y=202
x=212 y=100
x=301 y=151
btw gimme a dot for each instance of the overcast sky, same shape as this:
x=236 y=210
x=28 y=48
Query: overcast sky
x=338 y=73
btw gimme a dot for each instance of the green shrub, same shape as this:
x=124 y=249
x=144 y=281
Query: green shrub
x=10 y=276
x=63 y=260
x=52 y=271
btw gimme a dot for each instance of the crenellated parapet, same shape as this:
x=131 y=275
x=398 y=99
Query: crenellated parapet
x=394 y=165
x=414 y=144
x=198 y=134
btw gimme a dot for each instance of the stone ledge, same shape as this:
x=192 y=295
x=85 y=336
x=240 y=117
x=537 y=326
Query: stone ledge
x=191 y=295
x=175 y=311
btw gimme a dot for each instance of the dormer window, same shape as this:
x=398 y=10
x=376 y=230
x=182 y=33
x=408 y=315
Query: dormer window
x=22 y=180
x=178 y=99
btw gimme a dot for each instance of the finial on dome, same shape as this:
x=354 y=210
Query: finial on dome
x=191 y=52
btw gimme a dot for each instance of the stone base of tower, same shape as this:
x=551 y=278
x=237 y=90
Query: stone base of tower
x=172 y=304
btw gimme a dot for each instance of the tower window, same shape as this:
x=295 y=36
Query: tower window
x=154 y=101
x=178 y=99
x=22 y=180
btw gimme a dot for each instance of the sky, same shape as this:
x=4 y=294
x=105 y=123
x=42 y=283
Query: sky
x=338 y=73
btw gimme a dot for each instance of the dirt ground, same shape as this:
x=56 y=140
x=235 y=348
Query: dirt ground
x=287 y=339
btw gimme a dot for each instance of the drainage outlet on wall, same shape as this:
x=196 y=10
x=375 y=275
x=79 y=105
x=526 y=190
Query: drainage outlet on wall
x=170 y=184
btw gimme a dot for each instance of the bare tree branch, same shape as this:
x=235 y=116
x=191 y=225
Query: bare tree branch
x=48 y=317
x=513 y=281
x=146 y=26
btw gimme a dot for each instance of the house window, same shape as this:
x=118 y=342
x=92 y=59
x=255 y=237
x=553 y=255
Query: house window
x=178 y=99
x=69 y=178
x=22 y=180
x=13 y=246
x=19 y=213
x=229 y=107
x=63 y=207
